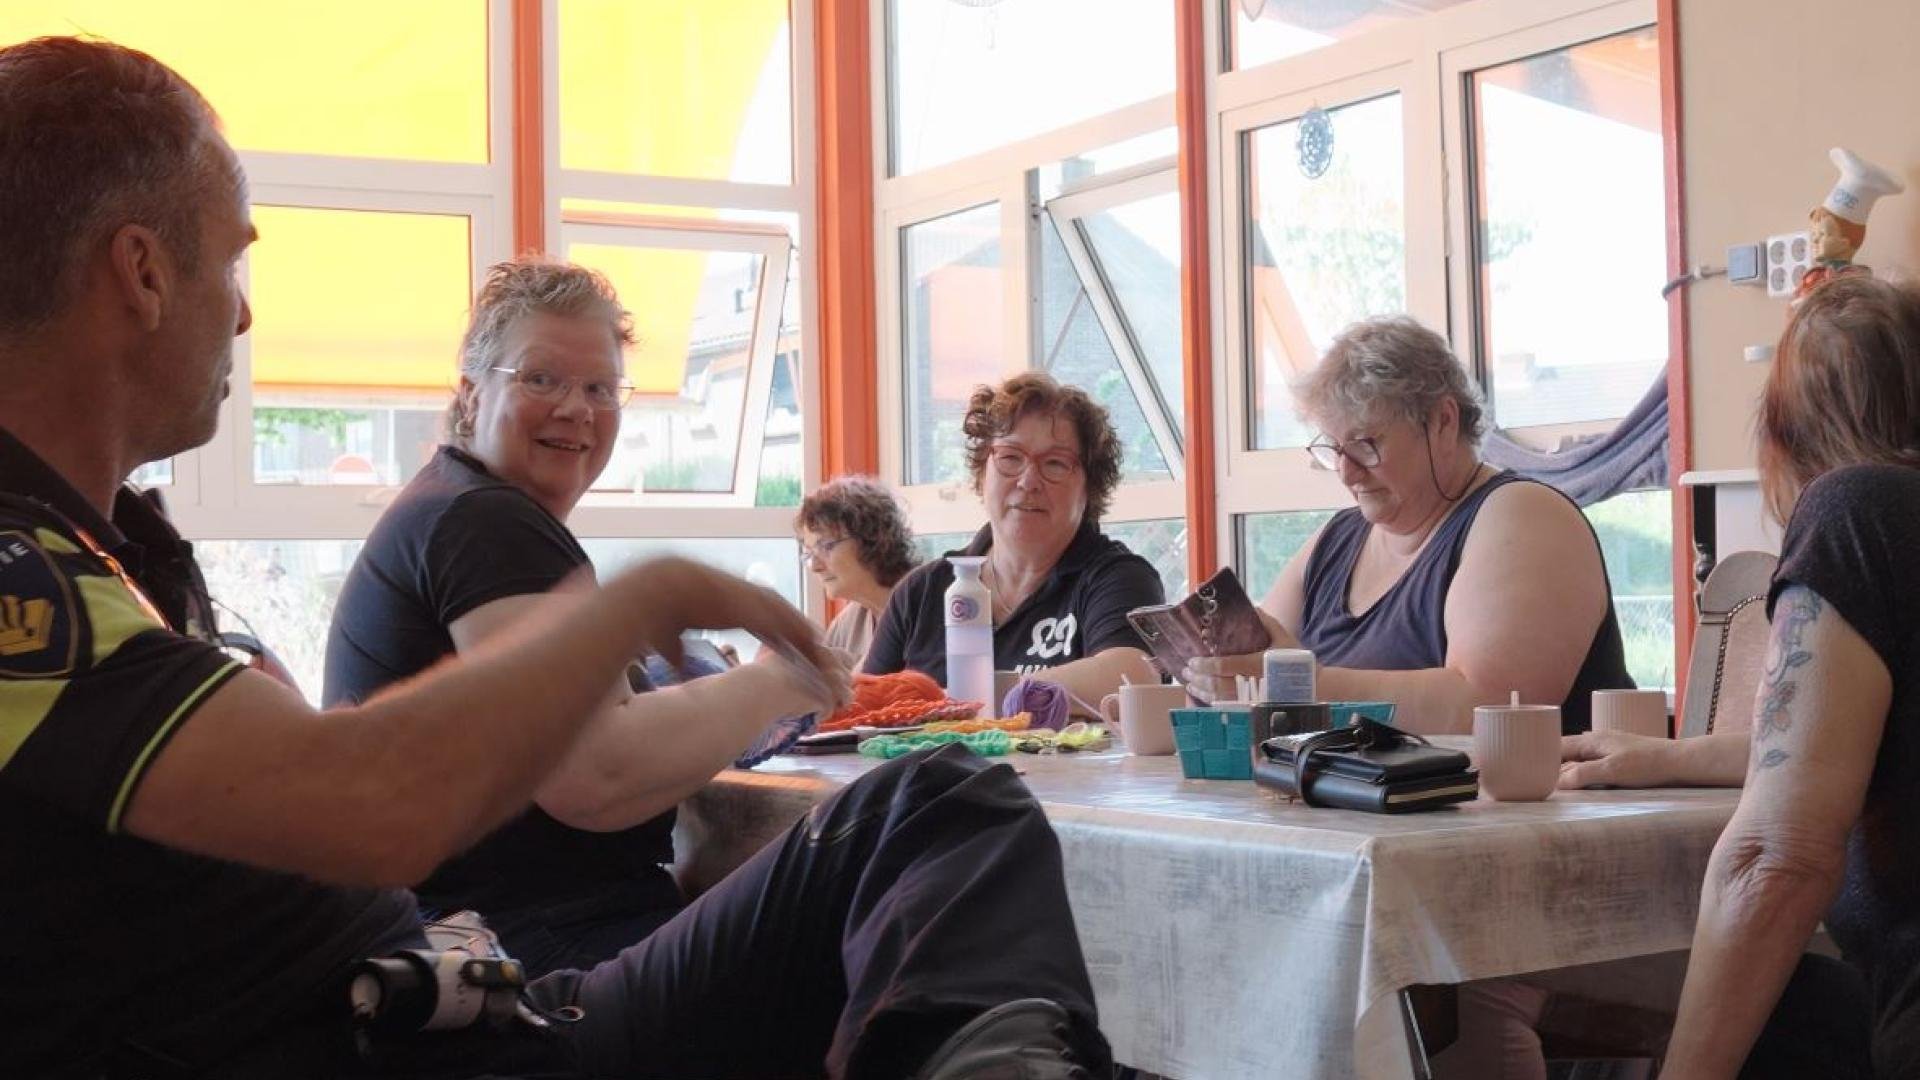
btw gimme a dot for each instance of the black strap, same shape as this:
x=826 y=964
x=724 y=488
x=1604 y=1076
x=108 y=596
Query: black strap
x=1339 y=738
x=1364 y=734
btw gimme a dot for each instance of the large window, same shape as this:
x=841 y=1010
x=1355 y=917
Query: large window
x=1636 y=536
x=969 y=75
x=1327 y=245
x=669 y=88
x=1570 y=230
x=354 y=358
x=707 y=310
x=378 y=141
x=951 y=287
x=401 y=81
x=1110 y=311
x=1514 y=203
x=1262 y=31
x=1568 y=251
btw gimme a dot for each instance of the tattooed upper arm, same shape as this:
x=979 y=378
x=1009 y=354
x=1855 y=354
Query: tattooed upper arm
x=1787 y=652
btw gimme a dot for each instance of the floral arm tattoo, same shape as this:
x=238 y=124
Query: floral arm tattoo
x=1799 y=606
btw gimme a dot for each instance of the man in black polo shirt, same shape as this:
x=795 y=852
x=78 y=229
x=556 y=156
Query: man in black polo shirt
x=192 y=859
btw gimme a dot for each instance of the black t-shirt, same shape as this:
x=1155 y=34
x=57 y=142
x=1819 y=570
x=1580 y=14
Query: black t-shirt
x=1855 y=540
x=112 y=940
x=1079 y=610
x=457 y=538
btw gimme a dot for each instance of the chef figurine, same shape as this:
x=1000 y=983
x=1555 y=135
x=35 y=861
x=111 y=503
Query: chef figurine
x=1836 y=228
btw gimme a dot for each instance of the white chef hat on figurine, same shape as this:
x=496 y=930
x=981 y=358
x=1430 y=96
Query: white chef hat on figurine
x=1860 y=183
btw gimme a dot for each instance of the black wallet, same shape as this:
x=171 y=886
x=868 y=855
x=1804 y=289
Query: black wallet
x=1368 y=766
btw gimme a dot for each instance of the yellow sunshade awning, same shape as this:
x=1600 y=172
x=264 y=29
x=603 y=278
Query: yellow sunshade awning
x=349 y=298
x=356 y=78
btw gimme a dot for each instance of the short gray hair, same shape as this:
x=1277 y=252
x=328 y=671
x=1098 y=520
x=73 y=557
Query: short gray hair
x=1391 y=364
x=532 y=285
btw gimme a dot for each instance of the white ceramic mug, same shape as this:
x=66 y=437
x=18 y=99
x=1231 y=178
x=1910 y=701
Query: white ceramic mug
x=1636 y=712
x=1144 y=712
x=1517 y=749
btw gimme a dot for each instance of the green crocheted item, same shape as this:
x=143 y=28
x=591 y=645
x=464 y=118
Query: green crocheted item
x=984 y=743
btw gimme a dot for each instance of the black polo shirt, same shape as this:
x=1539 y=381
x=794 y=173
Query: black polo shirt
x=455 y=539
x=115 y=942
x=1079 y=610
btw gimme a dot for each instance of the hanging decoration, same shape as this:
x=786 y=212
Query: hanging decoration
x=1314 y=143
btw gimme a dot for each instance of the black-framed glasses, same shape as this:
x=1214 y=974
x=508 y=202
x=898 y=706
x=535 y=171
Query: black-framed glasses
x=1011 y=462
x=606 y=395
x=821 y=549
x=1364 y=452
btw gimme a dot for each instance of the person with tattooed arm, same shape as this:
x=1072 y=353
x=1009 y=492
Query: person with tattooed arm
x=1830 y=813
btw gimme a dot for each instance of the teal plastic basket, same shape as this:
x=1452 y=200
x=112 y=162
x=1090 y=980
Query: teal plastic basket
x=1214 y=744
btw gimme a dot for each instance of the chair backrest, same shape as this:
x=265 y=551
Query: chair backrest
x=1730 y=645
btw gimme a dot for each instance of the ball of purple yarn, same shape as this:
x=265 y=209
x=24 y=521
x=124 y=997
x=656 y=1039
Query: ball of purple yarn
x=1047 y=703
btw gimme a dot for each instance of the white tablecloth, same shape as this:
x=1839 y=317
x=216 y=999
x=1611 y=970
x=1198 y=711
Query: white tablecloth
x=1231 y=934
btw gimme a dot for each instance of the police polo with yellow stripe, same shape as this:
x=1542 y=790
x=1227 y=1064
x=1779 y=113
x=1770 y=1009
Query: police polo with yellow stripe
x=123 y=950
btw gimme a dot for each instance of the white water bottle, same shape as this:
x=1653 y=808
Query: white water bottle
x=969 y=609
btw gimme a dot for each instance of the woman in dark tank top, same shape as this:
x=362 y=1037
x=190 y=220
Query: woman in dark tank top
x=1450 y=584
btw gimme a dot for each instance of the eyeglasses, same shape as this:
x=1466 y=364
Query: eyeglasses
x=821 y=550
x=1364 y=452
x=543 y=385
x=1012 y=462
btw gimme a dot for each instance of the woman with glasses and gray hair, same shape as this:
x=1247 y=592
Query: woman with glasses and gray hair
x=854 y=536
x=469 y=547
x=1045 y=459
x=1450 y=584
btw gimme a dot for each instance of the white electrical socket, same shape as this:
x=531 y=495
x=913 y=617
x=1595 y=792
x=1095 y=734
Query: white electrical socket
x=1789 y=257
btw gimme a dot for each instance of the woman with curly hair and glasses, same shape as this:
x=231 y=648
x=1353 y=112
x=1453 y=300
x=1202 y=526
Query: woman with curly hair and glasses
x=853 y=534
x=1045 y=460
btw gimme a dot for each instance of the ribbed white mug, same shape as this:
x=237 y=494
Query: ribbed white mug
x=1636 y=712
x=1517 y=749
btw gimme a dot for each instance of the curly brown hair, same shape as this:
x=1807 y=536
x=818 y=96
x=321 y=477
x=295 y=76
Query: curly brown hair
x=994 y=411
x=863 y=510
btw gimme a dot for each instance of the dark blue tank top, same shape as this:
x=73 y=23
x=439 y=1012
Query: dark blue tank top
x=1406 y=629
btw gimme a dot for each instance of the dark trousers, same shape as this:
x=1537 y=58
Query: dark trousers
x=585 y=931
x=926 y=892
x=1822 y=1029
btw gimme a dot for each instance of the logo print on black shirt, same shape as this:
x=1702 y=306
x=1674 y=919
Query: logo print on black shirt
x=1053 y=637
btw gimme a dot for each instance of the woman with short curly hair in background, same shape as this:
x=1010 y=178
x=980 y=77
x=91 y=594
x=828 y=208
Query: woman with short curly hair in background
x=854 y=535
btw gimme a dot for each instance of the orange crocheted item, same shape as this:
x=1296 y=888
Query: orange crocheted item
x=900 y=699
x=1016 y=723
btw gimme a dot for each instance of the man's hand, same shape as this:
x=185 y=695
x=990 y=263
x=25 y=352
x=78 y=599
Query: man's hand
x=681 y=594
x=1617 y=759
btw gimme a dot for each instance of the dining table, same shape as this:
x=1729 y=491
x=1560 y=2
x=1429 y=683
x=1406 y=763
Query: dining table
x=1230 y=932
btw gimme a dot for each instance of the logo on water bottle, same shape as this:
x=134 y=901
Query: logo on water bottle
x=962 y=609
